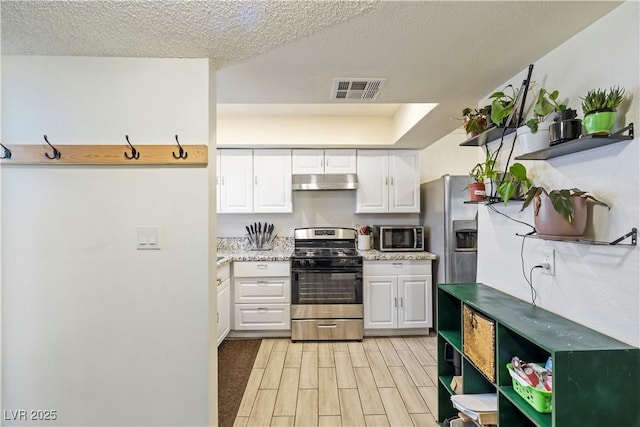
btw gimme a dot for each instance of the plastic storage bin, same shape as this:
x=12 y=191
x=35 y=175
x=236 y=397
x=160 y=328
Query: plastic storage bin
x=540 y=400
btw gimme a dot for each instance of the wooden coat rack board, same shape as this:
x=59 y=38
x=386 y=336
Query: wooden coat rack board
x=123 y=154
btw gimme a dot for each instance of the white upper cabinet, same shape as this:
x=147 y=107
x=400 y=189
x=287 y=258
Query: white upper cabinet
x=218 y=190
x=236 y=181
x=254 y=180
x=404 y=181
x=307 y=161
x=272 y=180
x=373 y=181
x=388 y=181
x=324 y=161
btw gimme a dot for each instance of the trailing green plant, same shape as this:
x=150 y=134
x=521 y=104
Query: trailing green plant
x=598 y=100
x=546 y=103
x=514 y=182
x=485 y=170
x=502 y=104
x=475 y=120
x=560 y=199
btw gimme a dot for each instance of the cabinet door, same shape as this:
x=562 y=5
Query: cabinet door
x=380 y=301
x=218 y=181
x=373 y=181
x=340 y=161
x=236 y=181
x=307 y=161
x=272 y=181
x=224 y=310
x=404 y=181
x=414 y=302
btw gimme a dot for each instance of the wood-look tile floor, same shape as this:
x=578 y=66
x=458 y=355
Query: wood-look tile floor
x=376 y=382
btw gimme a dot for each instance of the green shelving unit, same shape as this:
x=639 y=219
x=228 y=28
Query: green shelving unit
x=596 y=378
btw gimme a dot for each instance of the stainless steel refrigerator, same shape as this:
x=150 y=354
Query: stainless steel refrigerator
x=450 y=228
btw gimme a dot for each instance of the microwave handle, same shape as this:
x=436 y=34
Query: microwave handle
x=415 y=238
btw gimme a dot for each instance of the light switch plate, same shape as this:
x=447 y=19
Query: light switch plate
x=148 y=237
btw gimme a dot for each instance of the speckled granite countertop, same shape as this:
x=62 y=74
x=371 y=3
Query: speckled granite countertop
x=248 y=255
x=376 y=255
x=285 y=254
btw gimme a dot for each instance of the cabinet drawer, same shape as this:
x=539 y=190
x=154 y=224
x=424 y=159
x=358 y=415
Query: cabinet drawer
x=397 y=268
x=223 y=273
x=261 y=269
x=262 y=316
x=262 y=290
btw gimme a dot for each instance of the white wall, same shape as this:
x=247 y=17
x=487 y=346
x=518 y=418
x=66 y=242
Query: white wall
x=312 y=209
x=597 y=286
x=92 y=328
x=446 y=156
x=304 y=131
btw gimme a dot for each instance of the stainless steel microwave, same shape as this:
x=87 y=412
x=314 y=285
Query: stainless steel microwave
x=394 y=238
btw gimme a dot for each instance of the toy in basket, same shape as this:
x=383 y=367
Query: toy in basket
x=539 y=399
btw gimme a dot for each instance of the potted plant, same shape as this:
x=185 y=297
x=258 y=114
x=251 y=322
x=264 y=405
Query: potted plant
x=502 y=105
x=481 y=173
x=599 y=108
x=533 y=136
x=559 y=212
x=514 y=183
x=565 y=127
x=475 y=121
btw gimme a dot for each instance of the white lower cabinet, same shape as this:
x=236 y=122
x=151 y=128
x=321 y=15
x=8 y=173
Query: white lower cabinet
x=262 y=295
x=223 y=315
x=397 y=294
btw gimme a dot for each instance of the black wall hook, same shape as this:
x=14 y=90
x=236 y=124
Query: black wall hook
x=182 y=154
x=56 y=153
x=134 y=153
x=6 y=153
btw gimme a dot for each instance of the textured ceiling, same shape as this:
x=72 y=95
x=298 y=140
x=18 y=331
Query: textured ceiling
x=225 y=31
x=288 y=52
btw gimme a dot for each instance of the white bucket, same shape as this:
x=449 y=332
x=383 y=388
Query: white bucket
x=533 y=141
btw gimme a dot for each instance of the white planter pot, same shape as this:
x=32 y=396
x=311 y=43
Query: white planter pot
x=533 y=141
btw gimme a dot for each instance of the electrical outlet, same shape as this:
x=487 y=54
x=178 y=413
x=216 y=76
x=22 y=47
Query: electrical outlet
x=549 y=260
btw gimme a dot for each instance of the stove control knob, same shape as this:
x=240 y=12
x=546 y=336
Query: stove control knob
x=311 y=263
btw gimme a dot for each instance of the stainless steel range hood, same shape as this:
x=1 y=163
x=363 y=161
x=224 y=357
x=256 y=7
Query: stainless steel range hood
x=346 y=181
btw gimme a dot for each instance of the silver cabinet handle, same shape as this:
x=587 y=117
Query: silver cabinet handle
x=262 y=266
x=401 y=302
x=222 y=180
x=386 y=181
x=333 y=325
x=218 y=318
x=263 y=309
x=391 y=180
x=397 y=264
x=262 y=282
x=395 y=301
x=255 y=178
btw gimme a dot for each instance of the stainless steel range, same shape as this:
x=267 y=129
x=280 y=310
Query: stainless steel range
x=326 y=285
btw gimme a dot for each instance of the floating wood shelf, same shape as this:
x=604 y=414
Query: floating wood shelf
x=197 y=155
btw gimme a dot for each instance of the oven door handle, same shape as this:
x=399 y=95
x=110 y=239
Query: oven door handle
x=332 y=270
x=327 y=326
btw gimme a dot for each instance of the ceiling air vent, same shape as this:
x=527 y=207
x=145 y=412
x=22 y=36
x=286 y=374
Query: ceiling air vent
x=362 y=89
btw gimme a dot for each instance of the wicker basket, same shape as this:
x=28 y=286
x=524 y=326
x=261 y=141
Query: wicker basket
x=479 y=342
